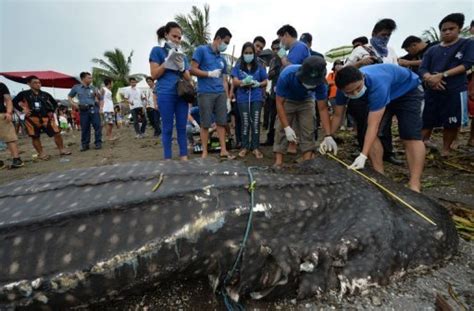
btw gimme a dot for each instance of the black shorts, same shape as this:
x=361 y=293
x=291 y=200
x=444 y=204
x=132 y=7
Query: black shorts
x=444 y=108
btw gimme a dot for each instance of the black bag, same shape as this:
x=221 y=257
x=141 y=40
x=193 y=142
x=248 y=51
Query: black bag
x=185 y=89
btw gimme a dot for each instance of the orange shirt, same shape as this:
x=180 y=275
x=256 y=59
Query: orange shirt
x=332 y=85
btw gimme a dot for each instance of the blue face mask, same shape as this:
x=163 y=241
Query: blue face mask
x=248 y=58
x=222 y=47
x=358 y=95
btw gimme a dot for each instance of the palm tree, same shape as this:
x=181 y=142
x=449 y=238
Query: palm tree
x=195 y=27
x=433 y=35
x=115 y=67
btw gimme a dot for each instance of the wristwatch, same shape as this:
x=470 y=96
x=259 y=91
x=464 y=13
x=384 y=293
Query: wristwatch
x=445 y=74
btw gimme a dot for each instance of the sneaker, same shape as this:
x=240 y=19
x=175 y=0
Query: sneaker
x=17 y=162
x=84 y=148
x=97 y=147
x=138 y=136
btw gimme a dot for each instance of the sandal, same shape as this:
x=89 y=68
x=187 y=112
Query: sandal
x=258 y=154
x=243 y=153
x=65 y=153
x=44 y=157
x=227 y=156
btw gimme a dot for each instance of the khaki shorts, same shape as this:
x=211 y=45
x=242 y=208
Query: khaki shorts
x=7 y=130
x=300 y=116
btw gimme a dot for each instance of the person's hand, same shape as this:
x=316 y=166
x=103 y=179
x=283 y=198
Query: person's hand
x=281 y=53
x=8 y=116
x=101 y=110
x=255 y=84
x=179 y=61
x=327 y=145
x=228 y=105
x=403 y=62
x=359 y=162
x=290 y=134
x=216 y=73
x=247 y=80
x=368 y=60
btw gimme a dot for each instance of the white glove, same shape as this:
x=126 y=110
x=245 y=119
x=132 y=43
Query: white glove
x=290 y=134
x=229 y=107
x=255 y=84
x=359 y=162
x=281 y=52
x=196 y=125
x=327 y=145
x=216 y=73
x=170 y=60
x=179 y=61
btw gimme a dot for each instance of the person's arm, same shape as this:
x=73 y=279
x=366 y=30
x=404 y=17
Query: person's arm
x=70 y=96
x=373 y=122
x=337 y=118
x=324 y=115
x=226 y=85
x=409 y=63
x=101 y=101
x=157 y=70
x=9 y=105
x=280 y=101
x=195 y=71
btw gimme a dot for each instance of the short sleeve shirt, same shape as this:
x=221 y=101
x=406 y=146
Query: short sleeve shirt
x=209 y=60
x=166 y=84
x=87 y=95
x=385 y=83
x=258 y=74
x=298 y=53
x=289 y=87
x=39 y=104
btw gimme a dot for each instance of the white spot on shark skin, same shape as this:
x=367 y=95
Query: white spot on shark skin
x=17 y=241
x=48 y=236
x=207 y=189
x=191 y=231
x=117 y=220
x=114 y=239
x=200 y=199
x=14 y=267
x=149 y=229
x=67 y=258
x=349 y=286
x=307 y=266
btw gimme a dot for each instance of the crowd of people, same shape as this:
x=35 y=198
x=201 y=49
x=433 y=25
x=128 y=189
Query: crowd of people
x=291 y=95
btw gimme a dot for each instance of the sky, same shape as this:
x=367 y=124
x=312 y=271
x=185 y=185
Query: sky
x=64 y=35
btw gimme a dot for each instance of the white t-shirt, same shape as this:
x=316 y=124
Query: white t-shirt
x=108 y=102
x=134 y=97
x=360 y=52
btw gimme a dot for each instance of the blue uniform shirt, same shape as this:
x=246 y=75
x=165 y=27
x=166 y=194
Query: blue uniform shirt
x=289 y=87
x=209 y=60
x=298 y=53
x=256 y=94
x=86 y=94
x=166 y=84
x=441 y=58
x=385 y=82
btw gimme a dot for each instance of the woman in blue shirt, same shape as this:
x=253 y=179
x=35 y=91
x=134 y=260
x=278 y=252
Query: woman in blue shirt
x=249 y=77
x=167 y=65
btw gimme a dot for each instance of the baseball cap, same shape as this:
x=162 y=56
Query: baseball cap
x=312 y=71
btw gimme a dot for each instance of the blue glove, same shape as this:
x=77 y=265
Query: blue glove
x=281 y=53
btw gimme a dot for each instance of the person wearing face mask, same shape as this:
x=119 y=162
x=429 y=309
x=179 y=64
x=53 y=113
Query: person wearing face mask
x=370 y=92
x=377 y=52
x=210 y=67
x=167 y=65
x=291 y=50
x=249 y=77
x=297 y=88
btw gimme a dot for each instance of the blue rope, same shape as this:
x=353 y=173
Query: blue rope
x=229 y=303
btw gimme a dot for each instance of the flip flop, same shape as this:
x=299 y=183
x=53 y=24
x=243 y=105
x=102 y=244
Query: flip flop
x=243 y=153
x=65 y=153
x=227 y=156
x=46 y=157
x=258 y=154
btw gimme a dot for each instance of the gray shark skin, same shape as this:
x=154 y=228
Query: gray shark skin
x=72 y=238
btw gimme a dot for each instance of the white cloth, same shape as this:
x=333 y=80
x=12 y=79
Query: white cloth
x=134 y=97
x=360 y=52
x=108 y=102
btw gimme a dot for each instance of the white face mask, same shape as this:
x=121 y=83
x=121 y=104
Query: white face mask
x=172 y=45
x=358 y=95
x=309 y=87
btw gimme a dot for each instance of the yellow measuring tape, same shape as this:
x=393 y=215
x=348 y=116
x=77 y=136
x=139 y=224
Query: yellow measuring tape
x=158 y=184
x=372 y=180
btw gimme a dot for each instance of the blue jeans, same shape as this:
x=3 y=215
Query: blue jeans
x=173 y=107
x=250 y=119
x=88 y=118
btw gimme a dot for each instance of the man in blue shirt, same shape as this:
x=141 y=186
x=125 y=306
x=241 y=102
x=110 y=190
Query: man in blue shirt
x=444 y=69
x=89 y=99
x=297 y=50
x=210 y=67
x=373 y=91
x=296 y=90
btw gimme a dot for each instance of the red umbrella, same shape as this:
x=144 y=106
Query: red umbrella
x=48 y=78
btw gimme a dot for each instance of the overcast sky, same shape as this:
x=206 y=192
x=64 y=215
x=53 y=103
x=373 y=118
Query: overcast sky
x=64 y=35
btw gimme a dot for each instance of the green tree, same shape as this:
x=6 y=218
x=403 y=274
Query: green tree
x=195 y=27
x=114 y=66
